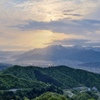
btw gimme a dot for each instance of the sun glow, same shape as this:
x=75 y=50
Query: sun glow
x=40 y=39
x=69 y=18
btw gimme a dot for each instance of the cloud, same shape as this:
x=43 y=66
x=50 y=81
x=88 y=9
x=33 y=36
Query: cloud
x=63 y=26
x=29 y=39
x=46 y=10
x=70 y=42
x=50 y=19
x=15 y=11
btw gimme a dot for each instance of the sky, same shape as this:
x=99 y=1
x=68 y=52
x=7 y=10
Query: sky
x=29 y=24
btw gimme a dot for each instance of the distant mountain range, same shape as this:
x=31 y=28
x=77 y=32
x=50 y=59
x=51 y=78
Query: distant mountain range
x=59 y=53
x=7 y=56
x=9 y=53
x=91 y=64
x=74 y=56
x=4 y=66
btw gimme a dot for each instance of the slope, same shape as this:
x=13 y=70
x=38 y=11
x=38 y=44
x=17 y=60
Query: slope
x=67 y=77
x=12 y=82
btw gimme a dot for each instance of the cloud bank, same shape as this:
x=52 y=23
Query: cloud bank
x=53 y=20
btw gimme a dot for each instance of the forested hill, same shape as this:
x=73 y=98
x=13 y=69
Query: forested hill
x=62 y=76
x=12 y=82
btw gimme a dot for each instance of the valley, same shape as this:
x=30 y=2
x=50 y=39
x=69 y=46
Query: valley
x=86 y=58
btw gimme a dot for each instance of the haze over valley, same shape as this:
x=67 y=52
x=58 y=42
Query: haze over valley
x=74 y=56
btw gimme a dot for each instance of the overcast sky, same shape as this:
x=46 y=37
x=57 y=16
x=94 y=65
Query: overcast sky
x=28 y=24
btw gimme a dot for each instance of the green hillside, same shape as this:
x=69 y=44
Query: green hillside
x=51 y=96
x=55 y=96
x=85 y=96
x=82 y=77
x=61 y=76
x=10 y=82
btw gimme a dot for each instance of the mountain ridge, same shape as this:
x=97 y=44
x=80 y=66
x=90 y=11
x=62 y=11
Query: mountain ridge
x=69 y=77
x=59 y=55
x=55 y=55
